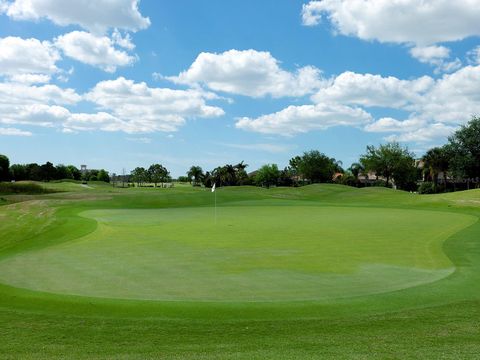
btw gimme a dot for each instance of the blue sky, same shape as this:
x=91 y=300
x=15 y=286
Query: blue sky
x=123 y=84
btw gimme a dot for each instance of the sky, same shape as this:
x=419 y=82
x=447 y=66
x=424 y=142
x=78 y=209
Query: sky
x=127 y=83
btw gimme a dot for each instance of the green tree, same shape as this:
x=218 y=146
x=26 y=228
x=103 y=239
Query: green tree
x=157 y=173
x=436 y=160
x=4 y=168
x=267 y=175
x=103 y=176
x=356 y=168
x=139 y=175
x=241 y=176
x=316 y=166
x=34 y=172
x=63 y=172
x=76 y=174
x=48 y=171
x=195 y=175
x=19 y=172
x=465 y=149
x=390 y=161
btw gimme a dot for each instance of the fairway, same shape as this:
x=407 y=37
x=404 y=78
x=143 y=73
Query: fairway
x=282 y=252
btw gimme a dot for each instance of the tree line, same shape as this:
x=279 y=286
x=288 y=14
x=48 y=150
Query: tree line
x=156 y=174
x=390 y=165
x=48 y=172
x=453 y=166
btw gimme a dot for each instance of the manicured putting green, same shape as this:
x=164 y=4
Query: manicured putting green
x=252 y=253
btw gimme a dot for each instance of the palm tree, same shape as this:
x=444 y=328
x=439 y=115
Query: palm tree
x=195 y=174
x=436 y=161
x=356 y=168
x=240 y=173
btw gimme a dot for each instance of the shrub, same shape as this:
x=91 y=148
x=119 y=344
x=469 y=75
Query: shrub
x=426 y=188
x=22 y=188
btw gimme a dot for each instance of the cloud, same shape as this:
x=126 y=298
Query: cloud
x=30 y=78
x=419 y=22
x=433 y=108
x=43 y=105
x=96 y=16
x=453 y=98
x=20 y=94
x=142 y=140
x=373 y=90
x=271 y=148
x=436 y=56
x=93 y=50
x=249 y=73
x=430 y=54
x=27 y=57
x=137 y=108
x=14 y=132
x=300 y=119
x=124 y=41
x=428 y=133
x=473 y=56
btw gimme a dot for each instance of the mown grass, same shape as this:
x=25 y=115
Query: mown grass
x=437 y=320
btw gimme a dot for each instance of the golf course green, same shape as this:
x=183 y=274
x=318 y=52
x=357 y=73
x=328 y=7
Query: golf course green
x=322 y=271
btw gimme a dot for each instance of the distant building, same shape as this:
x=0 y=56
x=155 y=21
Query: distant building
x=83 y=169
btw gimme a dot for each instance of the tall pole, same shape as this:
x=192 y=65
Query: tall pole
x=215 y=206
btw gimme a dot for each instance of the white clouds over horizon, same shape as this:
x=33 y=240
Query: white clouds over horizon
x=434 y=107
x=249 y=73
x=304 y=118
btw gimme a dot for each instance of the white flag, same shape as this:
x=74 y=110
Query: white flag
x=213 y=187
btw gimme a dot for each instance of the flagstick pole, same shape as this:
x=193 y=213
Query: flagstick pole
x=215 y=206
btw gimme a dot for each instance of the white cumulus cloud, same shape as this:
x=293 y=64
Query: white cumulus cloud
x=420 y=22
x=14 y=132
x=138 y=108
x=436 y=56
x=373 y=90
x=432 y=108
x=96 y=16
x=300 y=119
x=249 y=73
x=94 y=50
x=27 y=57
x=417 y=23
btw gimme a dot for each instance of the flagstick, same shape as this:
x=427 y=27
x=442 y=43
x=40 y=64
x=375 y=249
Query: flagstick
x=215 y=206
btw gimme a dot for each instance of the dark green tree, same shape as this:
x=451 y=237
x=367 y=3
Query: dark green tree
x=76 y=174
x=157 y=173
x=465 y=149
x=103 y=176
x=19 y=172
x=139 y=175
x=195 y=175
x=390 y=161
x=436 y=161
x=316 y=166
x=267 y=175
x=4 y=168
x=63 y=172
x=48 y=171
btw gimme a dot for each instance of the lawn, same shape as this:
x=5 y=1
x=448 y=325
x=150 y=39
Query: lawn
x=321 y=271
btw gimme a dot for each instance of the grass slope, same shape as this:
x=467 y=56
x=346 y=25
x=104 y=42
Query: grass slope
x=396 y=275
